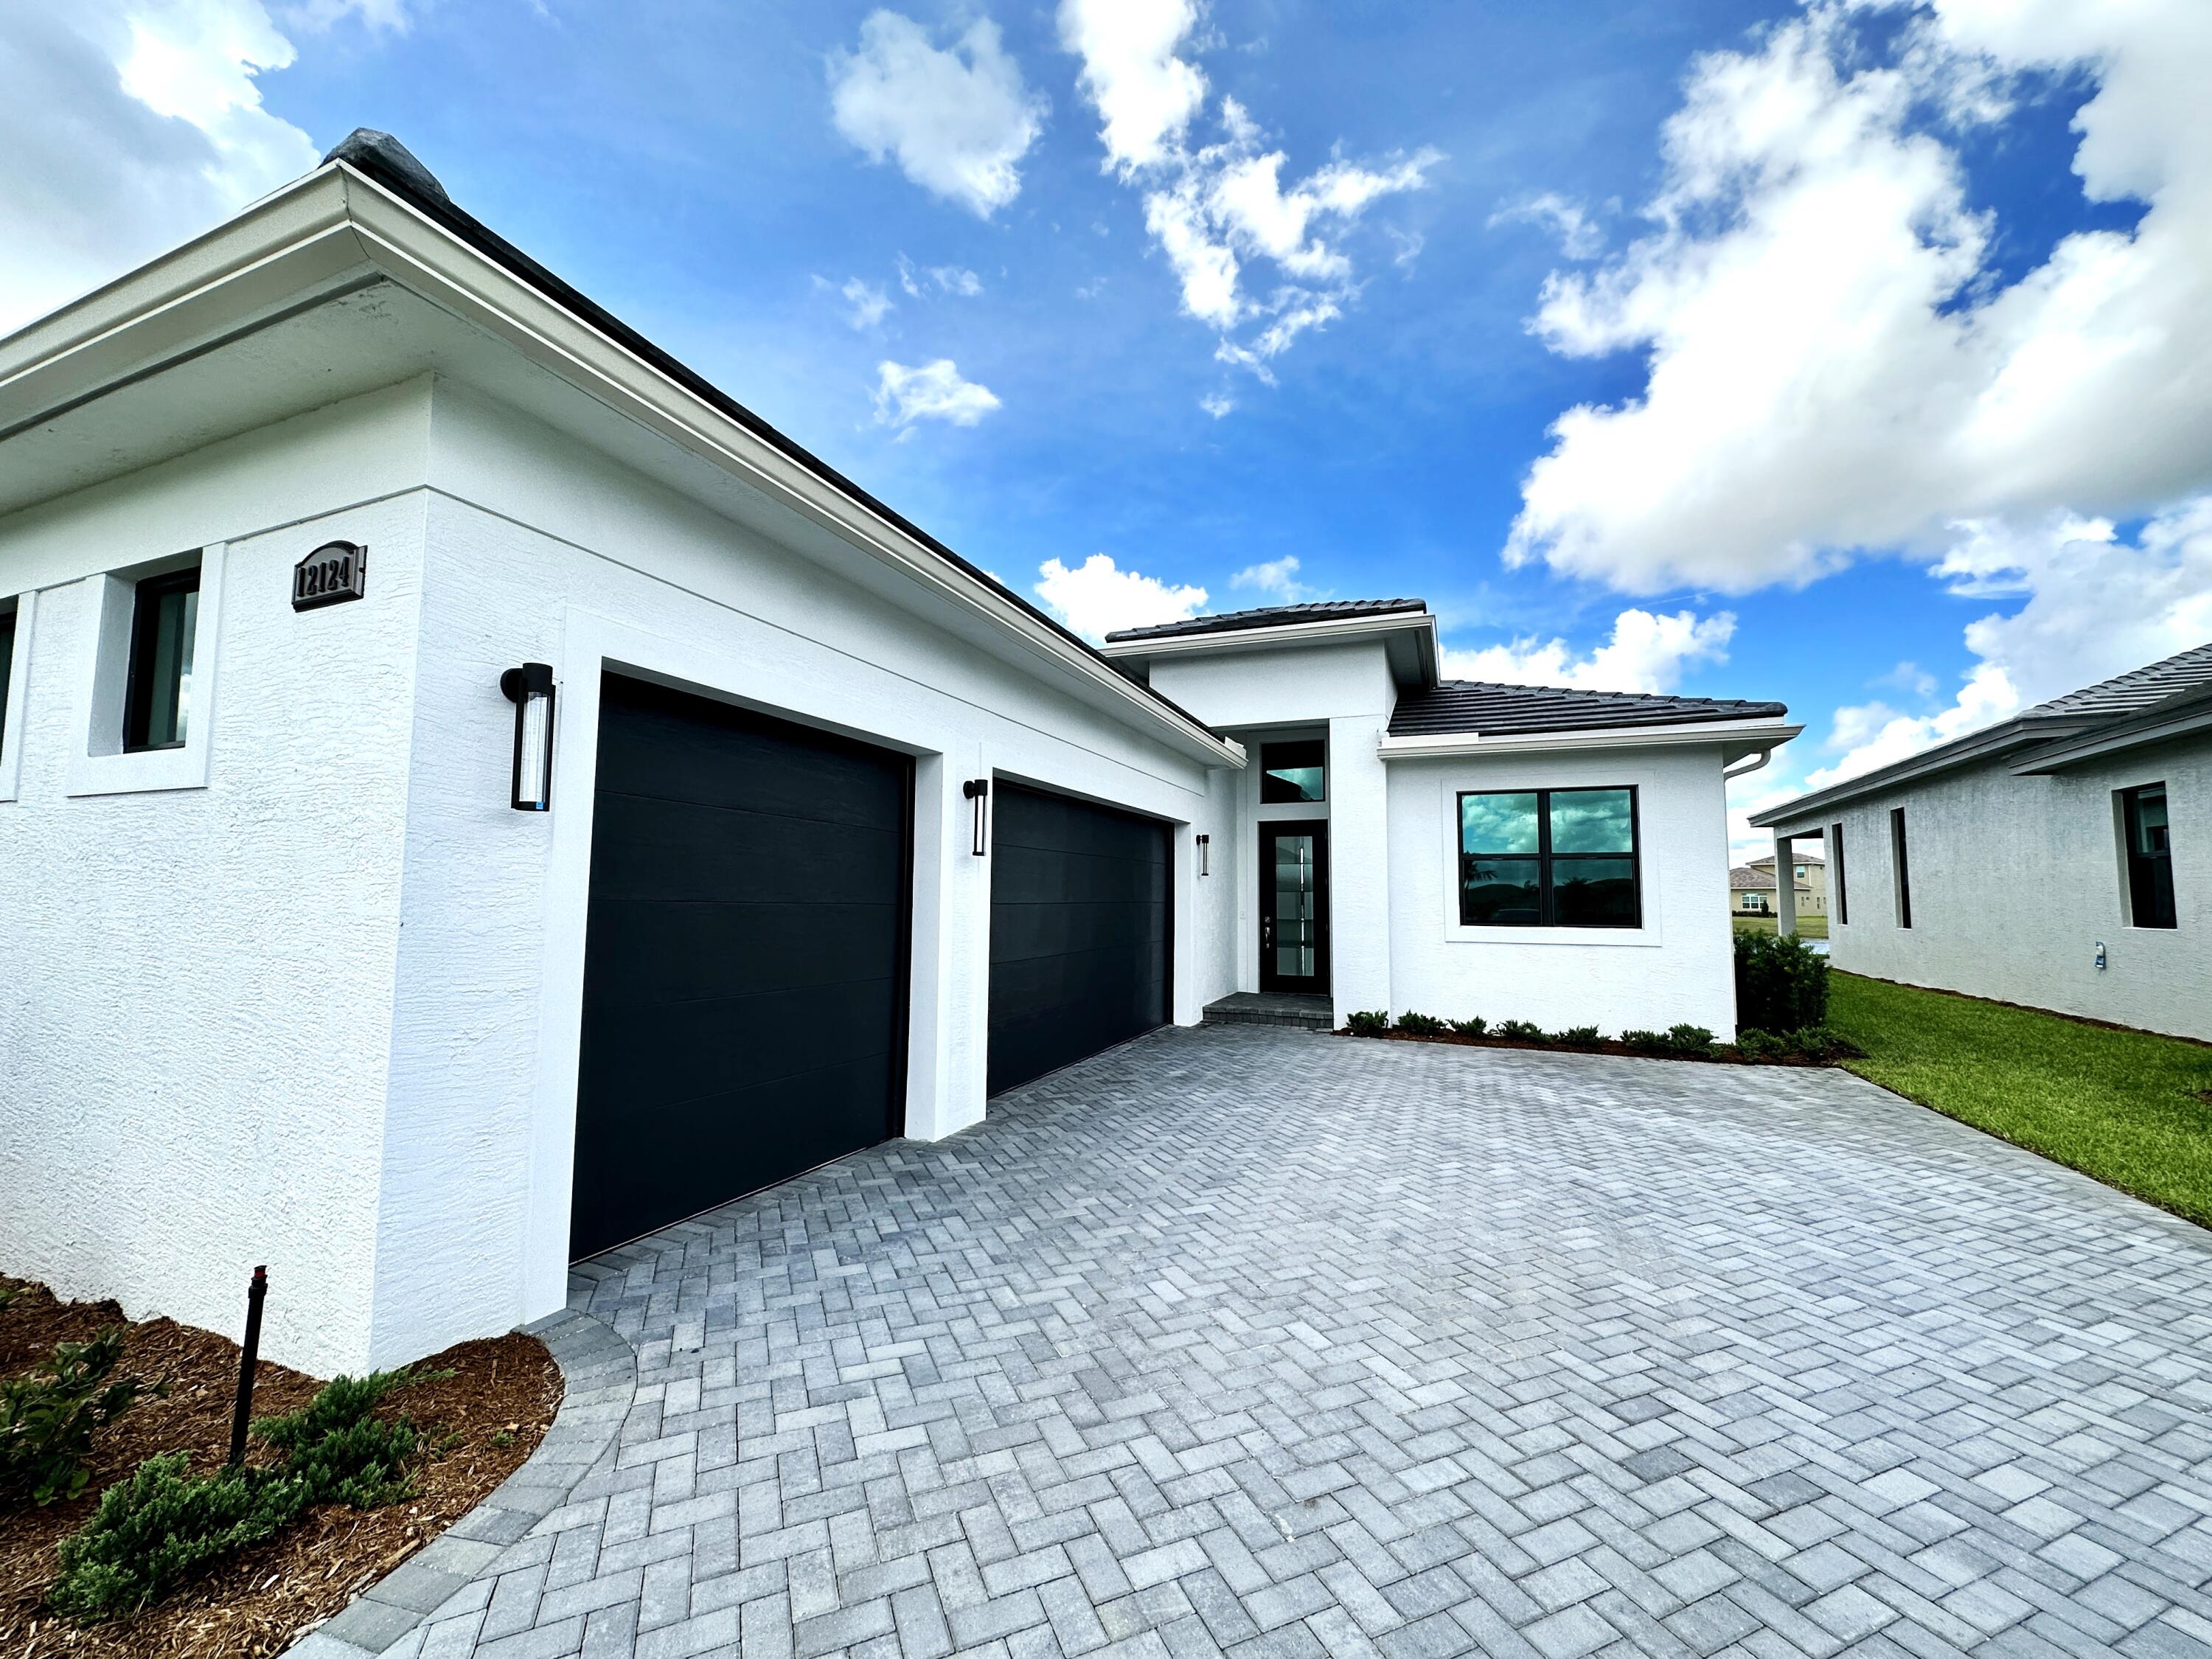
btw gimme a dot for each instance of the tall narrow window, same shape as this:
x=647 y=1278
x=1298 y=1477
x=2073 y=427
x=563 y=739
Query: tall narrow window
x=1293 y=772
x=7 y=657
x=2150 y=857
x=1549 y=858
x=1835 y=863
x=164 y=615
x=1901 y=867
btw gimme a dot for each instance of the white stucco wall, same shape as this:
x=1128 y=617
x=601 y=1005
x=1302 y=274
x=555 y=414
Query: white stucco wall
x=194 y=1017
x=1677 y=968
x=2016 y=880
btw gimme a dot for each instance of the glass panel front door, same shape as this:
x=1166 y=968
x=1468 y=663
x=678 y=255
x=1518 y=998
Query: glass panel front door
x=1294 y=906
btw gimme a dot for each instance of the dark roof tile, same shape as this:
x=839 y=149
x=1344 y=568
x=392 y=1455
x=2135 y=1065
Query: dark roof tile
x=2137 y=688
x=1480 y=706
x=1268 y=616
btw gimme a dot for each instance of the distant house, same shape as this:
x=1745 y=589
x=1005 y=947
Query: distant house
x=1810 y=867
x=2060 y=859
x=1751 y=890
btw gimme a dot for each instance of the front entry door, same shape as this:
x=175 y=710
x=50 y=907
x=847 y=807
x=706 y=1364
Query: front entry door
x=1294 y=906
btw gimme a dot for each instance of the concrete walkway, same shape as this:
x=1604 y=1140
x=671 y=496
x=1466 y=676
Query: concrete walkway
x=1258 y=1342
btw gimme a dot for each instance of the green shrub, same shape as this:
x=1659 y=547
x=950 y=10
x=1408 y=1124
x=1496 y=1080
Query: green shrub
x=152 y=1530
x=1471 y=1028
x=1579 y=1036
x=161 y=1525
x=1645 y=1042
x=1373 y=1022
x=1693 y=1040
x=1422 y=1025
x=48 y=1417
x=1781 y=984
x=1520 y=1030
x=1762 y=1045
x=1819 y=1042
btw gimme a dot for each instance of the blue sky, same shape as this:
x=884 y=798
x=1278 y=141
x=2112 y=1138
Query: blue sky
x=1887 y=319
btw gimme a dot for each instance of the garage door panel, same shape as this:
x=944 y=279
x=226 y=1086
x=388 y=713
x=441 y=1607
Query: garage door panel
x=636 y=1188
x=744 y=982
x=677 y=1051
x=761 y=766
x=661 y=949
x=681 y=850
x=1080 y=931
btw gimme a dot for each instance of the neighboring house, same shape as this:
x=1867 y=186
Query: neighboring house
x=333 y=537
x=1810 y=869
x=2060 y=859
x=1751 y=889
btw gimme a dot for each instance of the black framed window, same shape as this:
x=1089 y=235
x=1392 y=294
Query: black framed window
x=7 y=659
x=1900 y=866
x=2150 y=857
x=1836 y=864
x=164 y=615
x=1549 y=858
x=1293 y=772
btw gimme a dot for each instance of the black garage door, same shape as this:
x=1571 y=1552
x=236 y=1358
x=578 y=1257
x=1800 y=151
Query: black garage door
x=1080 y=943
x=745 y=970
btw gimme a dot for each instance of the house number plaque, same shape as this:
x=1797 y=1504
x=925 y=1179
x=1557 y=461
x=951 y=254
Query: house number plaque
x=331 y=575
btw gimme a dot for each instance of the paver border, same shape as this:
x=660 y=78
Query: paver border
x=598 y=1376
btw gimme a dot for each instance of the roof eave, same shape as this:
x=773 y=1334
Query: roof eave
x=1736 y=740
x=337 y=228
x=1995 y=741
x=2187 y=715
x=1411 y=634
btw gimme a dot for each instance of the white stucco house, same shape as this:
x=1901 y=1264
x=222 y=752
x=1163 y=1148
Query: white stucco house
x=2060 y=859
x=333 y=538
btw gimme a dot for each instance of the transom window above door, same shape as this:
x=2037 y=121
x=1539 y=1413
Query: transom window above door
x=1293 y=772
x=1549 y=858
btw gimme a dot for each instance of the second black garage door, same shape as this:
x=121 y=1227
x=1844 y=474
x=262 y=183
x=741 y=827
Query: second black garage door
x=745 y=968
x=1079 y=940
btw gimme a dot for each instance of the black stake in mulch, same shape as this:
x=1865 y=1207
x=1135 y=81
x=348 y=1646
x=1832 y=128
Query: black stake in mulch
x=256 y=1293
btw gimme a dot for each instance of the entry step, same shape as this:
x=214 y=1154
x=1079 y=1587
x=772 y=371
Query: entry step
x=1272 y=1008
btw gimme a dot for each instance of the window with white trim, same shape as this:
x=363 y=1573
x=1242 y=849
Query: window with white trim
x=1549 y=858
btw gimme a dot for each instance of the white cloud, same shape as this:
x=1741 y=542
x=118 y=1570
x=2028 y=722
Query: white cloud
x=1217 y=208
x=128 y=130
x=953 y=279
x=956 y=119
x=1834 y=363
x=934 y=391
x=1217 y=403
x=1579 y=236
x=1645 y=653
x=390 y=16
x=1277 y=577
x=870 y=306
x=1146 y=94
x=1095 y=598
x=2097 y=606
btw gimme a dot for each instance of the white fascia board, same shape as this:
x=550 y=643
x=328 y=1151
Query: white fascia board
x=2194 y=718
x=1975 y=746
x=1737 y=738
x=336 y=228
x=1329 y=631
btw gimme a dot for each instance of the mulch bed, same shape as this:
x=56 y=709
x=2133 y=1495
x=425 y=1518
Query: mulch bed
x=480 y=1424
x=1719 y=1056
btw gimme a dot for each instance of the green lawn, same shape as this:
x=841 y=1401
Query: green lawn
x=2122 y=1106
x=1808 y=926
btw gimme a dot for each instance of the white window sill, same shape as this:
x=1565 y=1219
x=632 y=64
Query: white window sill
x=141 y=773
x=1611 y=938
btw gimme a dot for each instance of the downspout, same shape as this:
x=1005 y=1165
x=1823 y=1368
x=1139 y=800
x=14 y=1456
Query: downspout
x=1757 y=760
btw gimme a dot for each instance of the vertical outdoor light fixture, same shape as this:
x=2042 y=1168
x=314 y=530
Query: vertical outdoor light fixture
x=1205 y=848
x=978 y=790
x=529 y=688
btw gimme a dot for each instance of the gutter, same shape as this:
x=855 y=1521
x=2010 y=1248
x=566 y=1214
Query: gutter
x=1747 y=737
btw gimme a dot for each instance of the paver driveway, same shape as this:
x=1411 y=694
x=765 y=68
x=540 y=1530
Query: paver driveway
x=1268 y=1343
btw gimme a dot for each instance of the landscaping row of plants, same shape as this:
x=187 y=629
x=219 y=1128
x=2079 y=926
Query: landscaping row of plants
x=1782 y=1005
x=165 y=1523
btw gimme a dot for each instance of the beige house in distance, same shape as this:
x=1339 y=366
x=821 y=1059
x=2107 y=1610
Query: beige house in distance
x=1811 y=869
x=1751 y=890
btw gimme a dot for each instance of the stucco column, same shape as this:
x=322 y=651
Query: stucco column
x=1359 y=867
x=947 y=1038
x=1785 y=887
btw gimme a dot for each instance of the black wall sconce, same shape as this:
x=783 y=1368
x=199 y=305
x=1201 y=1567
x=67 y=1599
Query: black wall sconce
x=978 y=790
x=1205 y=848
x=529 y=688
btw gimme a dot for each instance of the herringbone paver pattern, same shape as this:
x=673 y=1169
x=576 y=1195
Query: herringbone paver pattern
x=1252 y=1342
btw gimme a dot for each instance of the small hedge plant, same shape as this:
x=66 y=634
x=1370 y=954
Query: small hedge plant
x=164 y=1523
x=1685 y=1042
x=1781 y=984
x=1422 y=1025
x=48 y=1417
x=1373 y=1022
